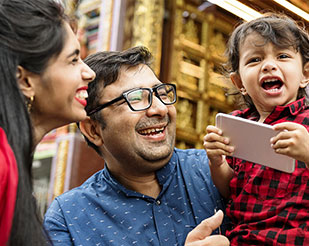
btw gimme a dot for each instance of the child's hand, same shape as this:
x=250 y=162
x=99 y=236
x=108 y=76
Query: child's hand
x=216 y=145
x=293 y=141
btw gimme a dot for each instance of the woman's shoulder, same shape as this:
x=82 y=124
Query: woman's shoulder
x=6 y=152
x=8 y=186
x=8 y=170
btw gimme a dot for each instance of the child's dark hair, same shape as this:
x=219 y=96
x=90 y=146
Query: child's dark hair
x=278 y=29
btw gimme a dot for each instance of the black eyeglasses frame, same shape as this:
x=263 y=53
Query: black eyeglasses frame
x=125 y=97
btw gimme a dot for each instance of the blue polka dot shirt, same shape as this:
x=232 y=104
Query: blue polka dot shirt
x=103 y=212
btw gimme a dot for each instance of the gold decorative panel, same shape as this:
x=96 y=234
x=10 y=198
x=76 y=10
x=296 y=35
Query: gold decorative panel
x=199 y=41
x=147 y=22
x=186 y=114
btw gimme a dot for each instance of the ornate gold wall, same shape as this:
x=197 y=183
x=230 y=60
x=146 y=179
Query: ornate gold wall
x=143 y=26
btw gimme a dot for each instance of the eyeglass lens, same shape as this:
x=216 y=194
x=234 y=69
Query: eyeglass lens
x=138 y=99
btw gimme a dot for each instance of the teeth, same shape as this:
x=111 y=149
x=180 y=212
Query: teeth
x=153 y=130
x=82 y=94
x=273 y=90
x=270 y=80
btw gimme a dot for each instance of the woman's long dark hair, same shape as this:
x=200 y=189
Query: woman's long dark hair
x=31 y=33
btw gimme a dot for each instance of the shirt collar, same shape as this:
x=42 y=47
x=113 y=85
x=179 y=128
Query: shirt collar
x=165 y=172
x=164 y=176
x=292 y=108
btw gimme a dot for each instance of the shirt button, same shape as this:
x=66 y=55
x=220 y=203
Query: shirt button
x=158 y=202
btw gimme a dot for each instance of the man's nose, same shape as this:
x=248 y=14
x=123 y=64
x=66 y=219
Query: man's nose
x=157 y=107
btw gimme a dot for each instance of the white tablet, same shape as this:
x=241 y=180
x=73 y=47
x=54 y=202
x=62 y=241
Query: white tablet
x=252 y=142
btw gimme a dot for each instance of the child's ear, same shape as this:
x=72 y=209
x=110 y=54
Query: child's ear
x=237 y=82
x=26 y=81
x=92 y=130
x=305 y=80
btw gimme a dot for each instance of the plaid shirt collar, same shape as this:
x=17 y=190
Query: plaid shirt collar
x=292 y=108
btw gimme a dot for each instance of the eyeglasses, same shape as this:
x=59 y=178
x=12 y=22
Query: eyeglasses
x=140 y=99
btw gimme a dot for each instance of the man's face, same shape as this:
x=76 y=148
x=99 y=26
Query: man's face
x=136 y=142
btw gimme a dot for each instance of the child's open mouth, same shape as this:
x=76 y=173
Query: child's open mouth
x=272 y=85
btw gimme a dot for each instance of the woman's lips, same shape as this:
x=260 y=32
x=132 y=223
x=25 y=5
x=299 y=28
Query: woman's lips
x=82 y=95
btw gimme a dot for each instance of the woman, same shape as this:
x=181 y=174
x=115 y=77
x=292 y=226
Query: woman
x=44 y=81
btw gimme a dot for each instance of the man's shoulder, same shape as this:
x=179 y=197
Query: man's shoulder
x=190 y=152
x=87 y=187
x=191 y=157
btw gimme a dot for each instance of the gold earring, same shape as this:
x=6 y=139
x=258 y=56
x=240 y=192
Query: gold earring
x=29 y=103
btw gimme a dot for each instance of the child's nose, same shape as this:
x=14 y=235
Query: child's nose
x=269 y=65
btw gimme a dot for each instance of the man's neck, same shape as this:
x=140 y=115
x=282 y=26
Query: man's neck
x=147 y=185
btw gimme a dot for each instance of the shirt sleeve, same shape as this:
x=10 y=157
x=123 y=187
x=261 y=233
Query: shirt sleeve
x=55 y=225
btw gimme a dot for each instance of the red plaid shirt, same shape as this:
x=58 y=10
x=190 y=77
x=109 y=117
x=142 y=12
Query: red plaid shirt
x=266 y=206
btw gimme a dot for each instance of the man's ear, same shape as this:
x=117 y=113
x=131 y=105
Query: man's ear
x=305 y=80
x=25 y=80
x=92 y=130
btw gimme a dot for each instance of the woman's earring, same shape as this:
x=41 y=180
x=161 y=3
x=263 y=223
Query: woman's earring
x=29 y=103
x=243 y=91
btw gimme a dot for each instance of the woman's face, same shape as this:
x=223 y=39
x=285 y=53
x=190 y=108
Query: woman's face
x=61 y=91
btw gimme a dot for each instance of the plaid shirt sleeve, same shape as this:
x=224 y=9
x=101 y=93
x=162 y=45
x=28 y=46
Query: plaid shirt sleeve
x=269 y=207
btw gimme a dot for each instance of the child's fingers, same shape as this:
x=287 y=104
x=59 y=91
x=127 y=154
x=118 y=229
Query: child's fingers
x=215 y=134
x=290 y=126
x=282 y=143
x=217 y=148
x=290 y=148
x=283 y=151
x=214 y=137
x=216 y=145
x=210 y=129
x=281 y=136
x=288 y=130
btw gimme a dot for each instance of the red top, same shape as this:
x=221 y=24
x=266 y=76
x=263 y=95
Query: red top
x=8 y=187
x=270 y=207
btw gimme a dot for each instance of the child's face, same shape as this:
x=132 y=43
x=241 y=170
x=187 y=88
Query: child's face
x=270 y=75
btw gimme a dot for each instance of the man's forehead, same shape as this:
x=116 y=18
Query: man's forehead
x=129 y=78
x=135 y=71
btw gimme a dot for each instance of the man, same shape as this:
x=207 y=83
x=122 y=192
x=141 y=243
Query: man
x=148 y=193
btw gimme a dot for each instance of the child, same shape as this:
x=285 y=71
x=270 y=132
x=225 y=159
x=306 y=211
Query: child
x=268 y=61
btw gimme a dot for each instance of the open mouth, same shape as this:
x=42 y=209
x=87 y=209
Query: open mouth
x=151 y=131
x=272 y=84
x=82 y=94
